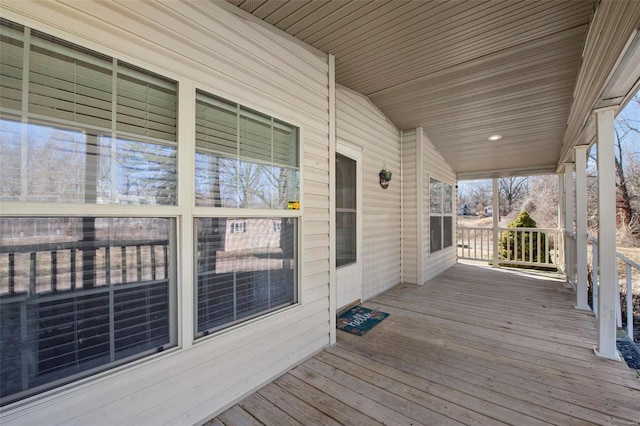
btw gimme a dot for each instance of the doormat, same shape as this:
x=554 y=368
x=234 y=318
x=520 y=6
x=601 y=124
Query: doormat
x=630 y=353
x=358 y=320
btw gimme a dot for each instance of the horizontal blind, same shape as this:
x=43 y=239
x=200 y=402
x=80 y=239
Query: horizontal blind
x=255 y=137
x=146 y=104
x=241 y=275
x=68 y=84
x=11 y=60
x=77 y=147
x=96 y=293
x=216 y=126
x=244 y=158
x=285 y=144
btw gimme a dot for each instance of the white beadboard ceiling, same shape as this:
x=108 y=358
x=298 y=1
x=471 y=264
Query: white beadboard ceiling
x=462 y=70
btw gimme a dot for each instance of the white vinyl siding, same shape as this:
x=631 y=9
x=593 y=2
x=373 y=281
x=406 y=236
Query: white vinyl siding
x=436 y=167
x=203 y=46
x=361 y=124
x=410 y=235
x=421 y=163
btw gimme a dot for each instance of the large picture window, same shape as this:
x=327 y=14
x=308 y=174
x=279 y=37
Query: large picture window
x=440 y=215
x=246 y=266
x=81 y=293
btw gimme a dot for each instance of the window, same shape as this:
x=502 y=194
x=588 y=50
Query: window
x=244 y=159
x=81 y=294
x=441 y=215
x=243 y=275
x=246 y=266
x=84 y=128
x=345 y=211
x=239 y=227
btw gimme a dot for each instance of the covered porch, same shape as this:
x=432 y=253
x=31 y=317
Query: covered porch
x=474 y=345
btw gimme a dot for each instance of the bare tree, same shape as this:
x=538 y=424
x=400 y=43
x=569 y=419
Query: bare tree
x=512 y=190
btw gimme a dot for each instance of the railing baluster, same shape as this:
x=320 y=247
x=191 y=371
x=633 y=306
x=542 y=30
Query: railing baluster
x=153 y=262
x=139 y=262
x=629 y=302
x=54 y=270
x=166 y=261
x=107 y=265
x=123 y=266
x=72 y=268
x=539 y=244
x=12 y=273
x=32 y=274
x=594 y=276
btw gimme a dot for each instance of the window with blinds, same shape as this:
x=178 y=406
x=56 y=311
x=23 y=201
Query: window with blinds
x=243 y=274
x=83 y=127
x=244 y=159
x=246 y=267
x=80 y=295
x=441 y=215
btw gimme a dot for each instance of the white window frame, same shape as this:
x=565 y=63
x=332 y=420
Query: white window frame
x=26 y=209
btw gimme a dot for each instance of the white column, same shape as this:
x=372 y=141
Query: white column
x=561 y=201
x=581 y=153
x=333 y=289
x=608 y=295
x=569 y=246
x=496 y=217
x=561 y=225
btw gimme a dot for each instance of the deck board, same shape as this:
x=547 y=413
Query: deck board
x=473 y=346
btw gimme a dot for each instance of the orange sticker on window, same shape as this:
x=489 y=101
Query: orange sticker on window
x=294 y=205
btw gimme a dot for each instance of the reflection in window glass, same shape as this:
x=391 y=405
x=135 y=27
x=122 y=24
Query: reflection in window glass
x=81 y=295
x=435 y=196
x=435 y=233
x=243 y=274
x=243 y=159
x=346 y=214
x=447 y=231
x=80 y=137
x=447 y=198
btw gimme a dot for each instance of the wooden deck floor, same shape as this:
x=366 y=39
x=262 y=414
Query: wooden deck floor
x=473 y=346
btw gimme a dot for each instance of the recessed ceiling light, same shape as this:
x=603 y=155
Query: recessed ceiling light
x=495 y=137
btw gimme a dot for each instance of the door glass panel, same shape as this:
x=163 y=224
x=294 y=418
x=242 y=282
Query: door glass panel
x=345 y=211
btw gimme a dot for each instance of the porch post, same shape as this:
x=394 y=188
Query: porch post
x=581 y=153
x=608 y=293
x=561 y=224
x=569 y=246
x=496 y=217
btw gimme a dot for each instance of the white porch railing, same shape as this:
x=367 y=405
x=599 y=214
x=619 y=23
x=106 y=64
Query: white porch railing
x=629 y=265
x=526 y=246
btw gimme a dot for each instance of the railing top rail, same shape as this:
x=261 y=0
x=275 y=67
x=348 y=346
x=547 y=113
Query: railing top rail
x=618 y=254
x=78 y=244
x=529 y=229
x=628 y=261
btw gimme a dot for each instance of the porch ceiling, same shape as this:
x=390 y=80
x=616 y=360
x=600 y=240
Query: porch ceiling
x=460 y=70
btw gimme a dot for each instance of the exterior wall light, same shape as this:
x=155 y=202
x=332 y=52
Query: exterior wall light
x=385 y=177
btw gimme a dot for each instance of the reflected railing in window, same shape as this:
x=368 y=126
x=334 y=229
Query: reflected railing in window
x=81 y=295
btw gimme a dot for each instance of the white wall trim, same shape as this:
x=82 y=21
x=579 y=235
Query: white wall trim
x=420 y=205
x=332 y=199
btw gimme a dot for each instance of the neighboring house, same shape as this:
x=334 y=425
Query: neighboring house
x=259 y=173
x=464 y=210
